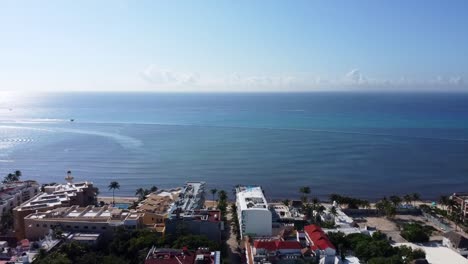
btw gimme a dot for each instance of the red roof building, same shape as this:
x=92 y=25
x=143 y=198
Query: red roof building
x=318 y=240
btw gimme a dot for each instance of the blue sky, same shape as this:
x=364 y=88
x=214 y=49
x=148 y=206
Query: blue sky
x=233 y=45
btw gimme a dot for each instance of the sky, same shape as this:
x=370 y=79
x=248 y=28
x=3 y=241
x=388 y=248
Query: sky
x=238 y=46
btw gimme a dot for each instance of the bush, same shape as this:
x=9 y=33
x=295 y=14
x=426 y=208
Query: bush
x=416 y=233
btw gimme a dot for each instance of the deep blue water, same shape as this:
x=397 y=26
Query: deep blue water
x=362 y=144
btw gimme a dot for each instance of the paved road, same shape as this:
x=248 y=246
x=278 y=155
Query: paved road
x=233 y=254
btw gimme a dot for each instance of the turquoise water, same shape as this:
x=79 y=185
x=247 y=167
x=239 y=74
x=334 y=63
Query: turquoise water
x=362 y=144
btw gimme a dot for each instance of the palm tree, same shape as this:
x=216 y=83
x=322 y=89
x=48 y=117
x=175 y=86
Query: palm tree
x=408 y=199
x=140 y=192
x=222 y=195
x=305 y=190
x=213 y=192
x=334 y=212
x=416 y=197
x=113 y=186
x=315 y=202
x=396 y=200
x=154 y=189
x=286 y=202
x=444 y=200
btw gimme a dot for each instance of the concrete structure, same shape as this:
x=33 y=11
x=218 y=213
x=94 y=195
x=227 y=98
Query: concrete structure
x=54 y=196
x=76 y=219
x=456 y=242
x=280 y=213
x=437 y=254
x=184 y=256
x=15 y=193
x=254 y=217
x=461 y=202
x=191 y=197
x=319 y=243
x=198 y=222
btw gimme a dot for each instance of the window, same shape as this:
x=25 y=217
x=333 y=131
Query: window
x=44 y=225
x=37 y=225
x=103 y=228
x=76 y=227
x=85 y=227
x=93 y=227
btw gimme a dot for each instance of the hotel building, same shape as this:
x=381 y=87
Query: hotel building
x=54 y=196
x=254 y=217
x=76 y=219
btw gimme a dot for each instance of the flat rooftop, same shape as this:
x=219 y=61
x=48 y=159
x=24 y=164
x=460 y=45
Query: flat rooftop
x=251 y=197
x=436 y=254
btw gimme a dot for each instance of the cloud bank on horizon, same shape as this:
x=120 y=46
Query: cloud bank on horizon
x=238 y=46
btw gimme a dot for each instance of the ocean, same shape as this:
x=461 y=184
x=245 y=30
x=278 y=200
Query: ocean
x=365 y=145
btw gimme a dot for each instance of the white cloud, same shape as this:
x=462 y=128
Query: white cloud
x=164 y=77
x=158 y=78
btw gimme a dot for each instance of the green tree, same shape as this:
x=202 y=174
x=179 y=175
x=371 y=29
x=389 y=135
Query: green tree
x=415 y=197
x=304 y=190
x=444 y=201
x=140 y=192
x=153 y=189
x=396 y=200
x=114 y=186
x=213 y=192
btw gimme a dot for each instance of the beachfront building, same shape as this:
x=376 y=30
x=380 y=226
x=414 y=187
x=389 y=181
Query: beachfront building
x=156 y=208
x=54 y=196
x=461 y=203
x=198 y=222
x=15 y=193
x=254 y=217
x=191 y=197
x=172 y=204
x=182 y=256
x=75 y=219
x=318 y=242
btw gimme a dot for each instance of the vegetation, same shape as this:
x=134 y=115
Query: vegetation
x=213 y=192
x=351 y=203
x=386 y=207
x=113 y=186
x=416 y=233
x=374 y=249
x=142 y=193
x=12 y=177
x=305 y=191
x=125 y=247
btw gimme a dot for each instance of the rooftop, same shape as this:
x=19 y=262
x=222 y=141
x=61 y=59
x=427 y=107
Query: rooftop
x=251 y=197
x=86 y=214
x=181 y=256
x=191 y=197
x=436 y=254
x=319 y=238
x=159 y=202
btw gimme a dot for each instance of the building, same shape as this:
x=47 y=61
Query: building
x=318 y=242
x=461 y=203
x=182 y=256
x=15 y=193
x=54 y=196
x=198 y=222
x=191 y=197
x=254 y=217
x=436 y=254
x=273 y=251
x=456 y=242
x=156 y=208
x=77 y=219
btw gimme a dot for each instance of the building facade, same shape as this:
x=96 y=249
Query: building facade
x=77 y=219
x=254 y=217
x=461 y=203
x=54 y=196
x=15 y=193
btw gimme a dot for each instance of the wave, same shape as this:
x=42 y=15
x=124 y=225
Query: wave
x=124 y=141
x=131 y=142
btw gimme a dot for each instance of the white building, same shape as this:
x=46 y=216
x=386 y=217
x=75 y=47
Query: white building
x=437 y=254
x=15 y=193
x=252 y=209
